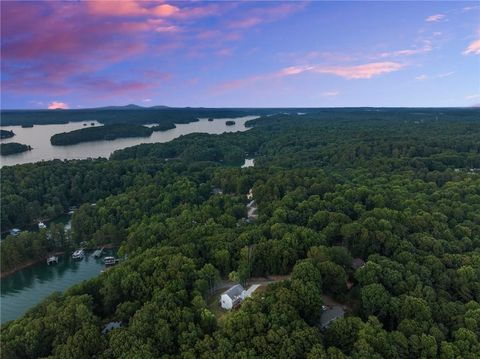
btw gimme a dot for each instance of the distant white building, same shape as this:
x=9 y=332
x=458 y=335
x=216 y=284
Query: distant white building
x=234 y=296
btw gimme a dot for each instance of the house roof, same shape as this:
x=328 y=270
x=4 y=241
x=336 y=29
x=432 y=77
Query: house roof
x=330 y=315
x=110 y=326
x=357 y=263
x=234 y=291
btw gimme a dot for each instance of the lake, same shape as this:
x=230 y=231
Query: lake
x=28 y=287
x=39 y=138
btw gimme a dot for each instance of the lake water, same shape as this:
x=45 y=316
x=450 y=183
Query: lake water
x=39 y=138
x=26 y=288
x=23 y=289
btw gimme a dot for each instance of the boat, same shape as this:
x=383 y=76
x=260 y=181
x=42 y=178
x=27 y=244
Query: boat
x=15 y=231
x=41 y=225
x=98 y=253
x=78 y=254
x=109 y=261
x=52 y=260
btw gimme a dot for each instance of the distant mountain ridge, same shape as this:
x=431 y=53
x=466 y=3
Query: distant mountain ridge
x=130 y=106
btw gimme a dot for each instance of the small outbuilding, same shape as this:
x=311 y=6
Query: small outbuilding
x=330 y=314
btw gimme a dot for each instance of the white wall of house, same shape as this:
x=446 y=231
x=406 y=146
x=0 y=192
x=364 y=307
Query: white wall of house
x=226 y=302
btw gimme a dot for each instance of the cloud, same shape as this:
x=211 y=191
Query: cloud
x=365 y=71
x=266 y=14
x=473 y=48
x=471 y=97
x=128 y=8
x=469 y=8
x=445 y=74
x=146 y=100
x=330 y=93
x=408 y=52
x=55 y=105
x=435 y=18
x=170 y=28
x=438 y=76
x=245 y=23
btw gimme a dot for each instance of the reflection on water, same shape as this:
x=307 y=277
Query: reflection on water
x=24 y=289
x=38 y=137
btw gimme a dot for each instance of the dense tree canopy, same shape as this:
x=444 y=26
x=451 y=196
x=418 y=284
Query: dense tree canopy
x=12 y=148
x=399 y=189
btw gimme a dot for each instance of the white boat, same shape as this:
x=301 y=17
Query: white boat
x=41 y=225
x=78 y=254
x=109 y=261
x=52 y=260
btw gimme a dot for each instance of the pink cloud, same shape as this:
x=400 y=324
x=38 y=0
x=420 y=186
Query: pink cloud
x=407 y=52
x=438 y=76
x=365 y=71
x=170 y=28
x=130 y=8
x=473 y=48
x=264 y=15
x=435 y=18
x=55 y=105
x=245 y=23
x=330 y=93
x=224 y=52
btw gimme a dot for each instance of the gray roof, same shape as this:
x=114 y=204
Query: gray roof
x=110 y=326
x=330 y=315
x=357 y=263
x=234 y=291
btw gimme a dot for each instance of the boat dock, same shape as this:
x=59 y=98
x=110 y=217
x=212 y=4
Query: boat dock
x=98 y=253
x=52 y=260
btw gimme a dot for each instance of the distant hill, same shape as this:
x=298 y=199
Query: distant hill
x=129 y=107
x=126 y=107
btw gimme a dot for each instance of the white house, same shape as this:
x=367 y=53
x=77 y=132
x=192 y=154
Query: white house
x=234 y=296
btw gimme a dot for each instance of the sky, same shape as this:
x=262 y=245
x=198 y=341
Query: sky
x=81 y=54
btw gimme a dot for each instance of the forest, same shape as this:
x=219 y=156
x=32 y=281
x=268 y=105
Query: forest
x=12 y=148
x=6 y=134
x=127 y=114
x=107 y=132
x=397 y=188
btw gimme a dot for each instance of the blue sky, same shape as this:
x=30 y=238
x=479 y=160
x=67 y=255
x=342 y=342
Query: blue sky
x=240 y=54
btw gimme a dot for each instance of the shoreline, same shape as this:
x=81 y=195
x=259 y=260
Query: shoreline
x=32 y=262
x=28 y=264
